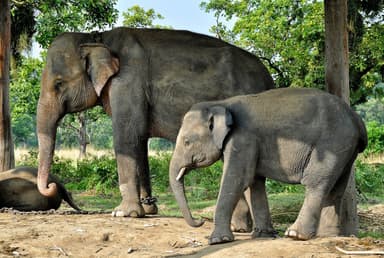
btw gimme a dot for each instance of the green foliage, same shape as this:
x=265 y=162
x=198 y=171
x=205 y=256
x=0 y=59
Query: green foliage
x=160 y=144
x=201 y=183
x=275 y=187
x=159 y=170
x=57 y=16
x=98 y=174
x=204 y=183
x=375 y=133
x=289 y=37
x=370 y=178
x=99 y=129
x=24 y=94
x=22 y=29
x=47 y=18
x=372 y=110
x=367 y=61
x=137 y=17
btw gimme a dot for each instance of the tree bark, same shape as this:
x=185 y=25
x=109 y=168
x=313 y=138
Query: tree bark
x=83 y=139
x=7 y=160
x=337 y=83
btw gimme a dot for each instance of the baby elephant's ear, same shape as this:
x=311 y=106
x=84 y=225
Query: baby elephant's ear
x=220 y=121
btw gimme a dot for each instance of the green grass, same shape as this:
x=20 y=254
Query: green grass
x=92 y=201
x=375 y=235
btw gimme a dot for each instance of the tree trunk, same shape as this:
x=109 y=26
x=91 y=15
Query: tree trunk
x=7 y=160
x=83 y=139
x=337 y=82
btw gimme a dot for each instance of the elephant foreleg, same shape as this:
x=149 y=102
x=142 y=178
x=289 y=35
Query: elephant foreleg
x=130 y=123
x=233 y=183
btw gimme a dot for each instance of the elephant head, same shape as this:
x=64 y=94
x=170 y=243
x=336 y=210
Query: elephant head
x=73 y=79
x=200 y=143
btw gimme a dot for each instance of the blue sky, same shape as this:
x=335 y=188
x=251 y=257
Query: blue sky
x=183 y=15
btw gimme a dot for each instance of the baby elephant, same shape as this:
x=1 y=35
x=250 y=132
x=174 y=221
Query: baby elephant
x=18 y=190
x=291 y=135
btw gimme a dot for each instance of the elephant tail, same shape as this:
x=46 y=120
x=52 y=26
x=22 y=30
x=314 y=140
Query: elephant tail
x=363 y=137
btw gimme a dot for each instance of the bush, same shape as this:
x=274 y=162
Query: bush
x=100 y=175
x=203 y=183
x=91 y=173
x=274 y=187
x=369 y=178
x=375 y=133
x=160 y=144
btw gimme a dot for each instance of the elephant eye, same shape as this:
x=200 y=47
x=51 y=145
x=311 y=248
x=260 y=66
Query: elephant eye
x=58 y=84
x=210 y=123
x=186 y=142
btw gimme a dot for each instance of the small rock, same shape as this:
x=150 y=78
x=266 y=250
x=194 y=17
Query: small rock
x=105 y=237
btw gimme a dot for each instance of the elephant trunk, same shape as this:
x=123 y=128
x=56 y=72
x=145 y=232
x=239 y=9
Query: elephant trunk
x=46 y=133
x=176 y=180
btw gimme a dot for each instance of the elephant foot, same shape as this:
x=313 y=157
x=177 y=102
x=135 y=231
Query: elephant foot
x=149 y=205
x=297 y=235
x=150 y=209
x=220 y=237
x=242 y=224
x=126 y=210
x=241 y=218
x=264 y=233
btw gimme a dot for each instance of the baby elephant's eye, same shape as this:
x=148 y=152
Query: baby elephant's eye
x=186 y=142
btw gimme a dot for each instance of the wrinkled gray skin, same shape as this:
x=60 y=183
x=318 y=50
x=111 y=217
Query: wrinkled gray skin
x=146 y=80
x=18 y=190
x=297 y=136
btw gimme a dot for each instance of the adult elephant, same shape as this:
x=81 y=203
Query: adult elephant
x=146 y=80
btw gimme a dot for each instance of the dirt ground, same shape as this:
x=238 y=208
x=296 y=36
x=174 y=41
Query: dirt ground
x=101 y=235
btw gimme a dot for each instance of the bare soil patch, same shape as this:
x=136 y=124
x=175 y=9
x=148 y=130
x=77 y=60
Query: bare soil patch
x=101 y=235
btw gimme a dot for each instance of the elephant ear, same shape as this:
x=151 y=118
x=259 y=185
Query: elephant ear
x=100 y=64
x=220 y=121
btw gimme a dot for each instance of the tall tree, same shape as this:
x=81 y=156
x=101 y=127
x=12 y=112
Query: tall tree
x=138 y=17
x=7 y=158
x=337 y=83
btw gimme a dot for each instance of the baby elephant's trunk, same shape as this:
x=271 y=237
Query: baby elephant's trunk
x=176 y=180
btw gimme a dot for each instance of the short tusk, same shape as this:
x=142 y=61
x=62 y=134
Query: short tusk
x=181 y=174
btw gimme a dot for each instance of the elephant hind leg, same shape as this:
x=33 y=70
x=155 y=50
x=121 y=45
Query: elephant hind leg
x=330 y=221
x=305 y=226
x=241 y=217
x=260 y=210
x=321 y=178
x=325 y=181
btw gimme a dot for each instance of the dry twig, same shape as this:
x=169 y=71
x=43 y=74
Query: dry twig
x=373 y=252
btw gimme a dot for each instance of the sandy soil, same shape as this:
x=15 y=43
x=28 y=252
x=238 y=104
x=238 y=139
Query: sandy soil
x=101 y=235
